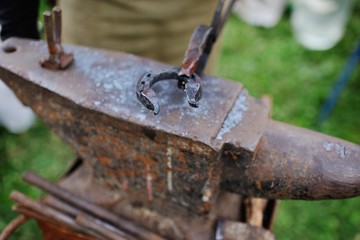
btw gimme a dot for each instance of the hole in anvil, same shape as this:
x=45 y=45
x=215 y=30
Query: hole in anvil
x=9 y=48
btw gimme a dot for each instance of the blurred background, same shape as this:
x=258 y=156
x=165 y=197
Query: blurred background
x=267 y=61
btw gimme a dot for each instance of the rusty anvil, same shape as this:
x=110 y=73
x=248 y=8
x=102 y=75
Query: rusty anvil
x=172 y=165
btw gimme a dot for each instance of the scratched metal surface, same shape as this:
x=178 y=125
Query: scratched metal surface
x=105 y=82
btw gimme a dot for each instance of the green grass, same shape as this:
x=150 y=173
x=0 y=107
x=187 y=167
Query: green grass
x=266 y=61
x=37 y=150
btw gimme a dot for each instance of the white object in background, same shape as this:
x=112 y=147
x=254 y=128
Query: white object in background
x=319 y=24
x=263 y=13
x=14 y=116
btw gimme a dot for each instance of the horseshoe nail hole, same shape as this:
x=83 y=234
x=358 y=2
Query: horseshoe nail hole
x=9 y=48
x=148 y=75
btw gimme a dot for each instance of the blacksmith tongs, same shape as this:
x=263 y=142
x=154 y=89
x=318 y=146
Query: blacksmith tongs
x=193 y=65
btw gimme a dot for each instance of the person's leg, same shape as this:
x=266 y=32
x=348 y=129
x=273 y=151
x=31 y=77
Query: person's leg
x=14 y=116
x=18 y=18
x=320 y=24
x=156 y=29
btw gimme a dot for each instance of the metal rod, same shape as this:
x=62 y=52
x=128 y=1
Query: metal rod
x=32 y=214
x=41 y=209
x=224 y=18
x=64 y=207
x=89 y=207
x=89 y=231
x=217 y=24
x=217 y=14
x=61 y=206
x=57 y=25
x=195 y=51
x=28 y=212
x=93 y=224
x=12 y=226
x=49 y=32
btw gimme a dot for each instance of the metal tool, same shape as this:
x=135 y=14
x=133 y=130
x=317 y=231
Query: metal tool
x=148 y=97
x=196 y=56
x=57 y=59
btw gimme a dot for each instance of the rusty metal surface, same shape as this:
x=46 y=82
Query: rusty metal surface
x=174 y=163
x=84 y=213
x=296 y=163
x=92 y=106
x=53 y=231
x=227 y=206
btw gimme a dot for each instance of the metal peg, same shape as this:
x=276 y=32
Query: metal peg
x=57 y=59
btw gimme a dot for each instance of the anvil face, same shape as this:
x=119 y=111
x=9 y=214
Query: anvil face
x=168 y=161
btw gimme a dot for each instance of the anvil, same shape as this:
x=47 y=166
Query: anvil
x=177 y=162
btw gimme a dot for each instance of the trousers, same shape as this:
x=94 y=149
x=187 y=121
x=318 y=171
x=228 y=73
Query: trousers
x=156 y=29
